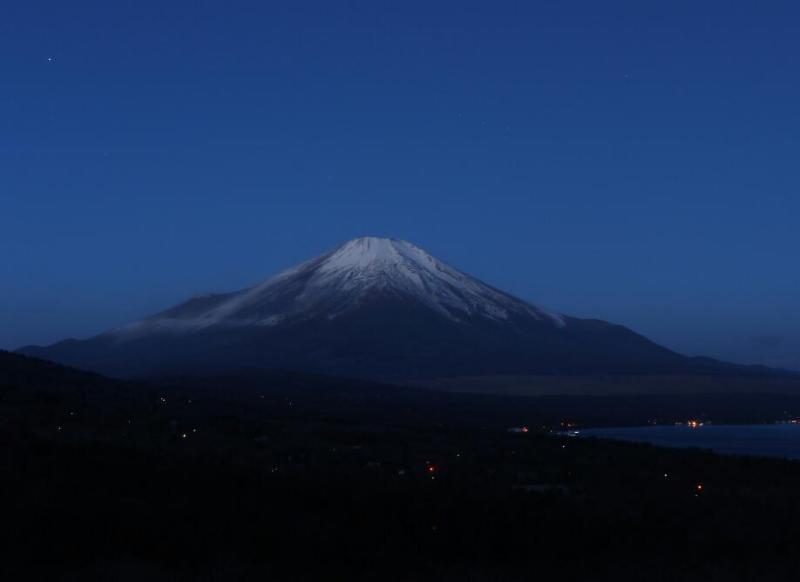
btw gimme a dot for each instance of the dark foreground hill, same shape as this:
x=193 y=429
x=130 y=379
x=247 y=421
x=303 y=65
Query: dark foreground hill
x=275 y=476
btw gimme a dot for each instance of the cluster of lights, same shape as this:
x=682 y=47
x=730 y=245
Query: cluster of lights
x=519 y=430
x=185 y=435
x=431 y=469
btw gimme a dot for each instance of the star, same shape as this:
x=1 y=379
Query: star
x=50 y=59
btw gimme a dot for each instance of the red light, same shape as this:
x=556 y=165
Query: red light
x=431 y=468
x=524 y=429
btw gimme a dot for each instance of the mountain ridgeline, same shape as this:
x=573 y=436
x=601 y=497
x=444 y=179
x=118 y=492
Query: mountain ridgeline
x=371 y=308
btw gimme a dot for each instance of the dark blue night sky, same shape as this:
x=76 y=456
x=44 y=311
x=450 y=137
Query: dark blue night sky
x=632 y=161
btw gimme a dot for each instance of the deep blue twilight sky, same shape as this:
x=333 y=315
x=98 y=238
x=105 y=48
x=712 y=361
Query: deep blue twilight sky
x=632 y=161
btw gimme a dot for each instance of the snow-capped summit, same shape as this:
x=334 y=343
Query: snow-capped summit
x=381 y=263
x=372 y=307
x=341 y=280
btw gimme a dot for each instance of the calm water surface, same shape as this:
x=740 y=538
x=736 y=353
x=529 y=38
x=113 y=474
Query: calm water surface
x=769 y=440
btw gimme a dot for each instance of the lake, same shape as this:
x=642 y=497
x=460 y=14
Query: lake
x=767 y=440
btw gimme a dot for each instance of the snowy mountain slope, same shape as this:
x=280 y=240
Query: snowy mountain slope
x=337 y=282
x=376 y=308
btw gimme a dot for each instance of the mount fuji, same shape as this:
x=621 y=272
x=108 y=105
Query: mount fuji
x=374 y=308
